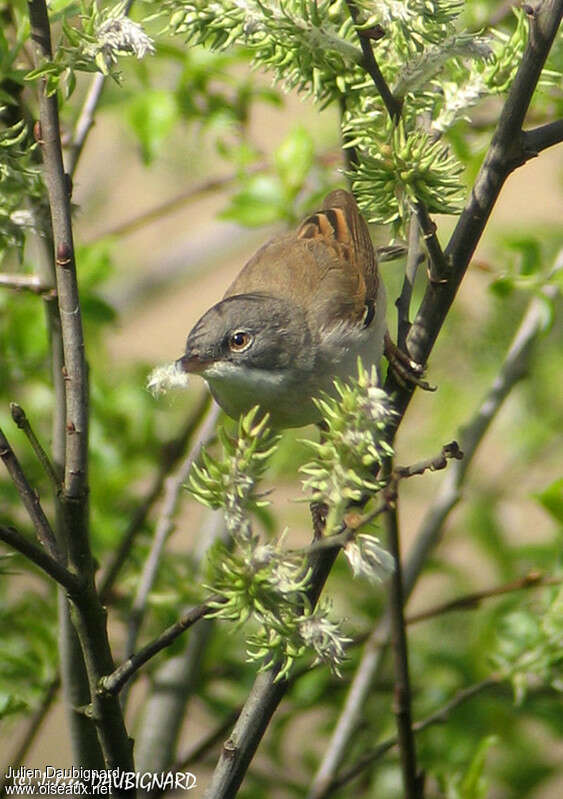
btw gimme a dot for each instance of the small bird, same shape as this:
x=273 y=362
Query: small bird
x=298 y=315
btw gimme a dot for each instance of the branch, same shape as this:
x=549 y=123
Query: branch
x=403 y=302
x=505 y=154
x=440 y=716
x=513 y=368
x=171 y=453
x=433 y=464
x=392 y=104
x=261 y=703
x=75 y=484
x=31 y=283
x=70 y=582
x=471 y=601
x=30 y=499
x=87 y=114
x=33 y=724
x=20 y=418
x=438 y=264
x=164 y=527
x=112 y=683
x=89 y=619
x=402 y=702
x=536 y=140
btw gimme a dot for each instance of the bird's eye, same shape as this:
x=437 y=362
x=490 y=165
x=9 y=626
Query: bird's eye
x=240 y=341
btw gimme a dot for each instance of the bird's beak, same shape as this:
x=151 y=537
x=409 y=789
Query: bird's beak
x=191 y=363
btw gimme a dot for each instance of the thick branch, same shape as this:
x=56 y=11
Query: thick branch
x=75 y=478
x=88 y=616
x=36 y=555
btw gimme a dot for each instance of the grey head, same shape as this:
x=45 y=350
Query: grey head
x=255 y=349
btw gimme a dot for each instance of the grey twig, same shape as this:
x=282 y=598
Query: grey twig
x=33 y=724
x=164 y=527
x=535 y=140
x=440 y=716
x=30 y=499
x=171 y=453
x=20 y=418
x=87 y=115
x=46 y=562
x=436 y=463
x=402 y=690
x=112 y=683
x=392 y=103
x=438 y=266
x=89 y=620
x=31 y=283
x=403 y=302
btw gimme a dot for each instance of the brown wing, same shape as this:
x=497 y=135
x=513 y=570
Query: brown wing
x=327 y=265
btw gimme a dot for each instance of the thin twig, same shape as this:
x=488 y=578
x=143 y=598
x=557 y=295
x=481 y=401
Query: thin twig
x=164 y=527
x=31 y=283
x=170 y=454
x=87 y=115
x=20 y=418
x=403 y=302
x=471 y=601
x=46 y=562
x=392 y=103
x=536 y=140
x=438 y=266
x=112 y=683
x=33 y=724
x=193 y=193
x=436 y=463
x=402 y=699
x=29 y=498
x=438 y=261
x=440 y=716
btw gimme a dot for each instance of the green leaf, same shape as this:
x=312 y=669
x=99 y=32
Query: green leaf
x=97 y=310
x=551 y=499
x=260 y=202
x=152 y=116
x=294 y=157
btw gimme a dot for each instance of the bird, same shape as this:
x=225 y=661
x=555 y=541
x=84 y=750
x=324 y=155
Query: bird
x=297 y=316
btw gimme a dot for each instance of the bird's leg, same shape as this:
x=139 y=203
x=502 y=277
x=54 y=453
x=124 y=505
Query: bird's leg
x=404 y=368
